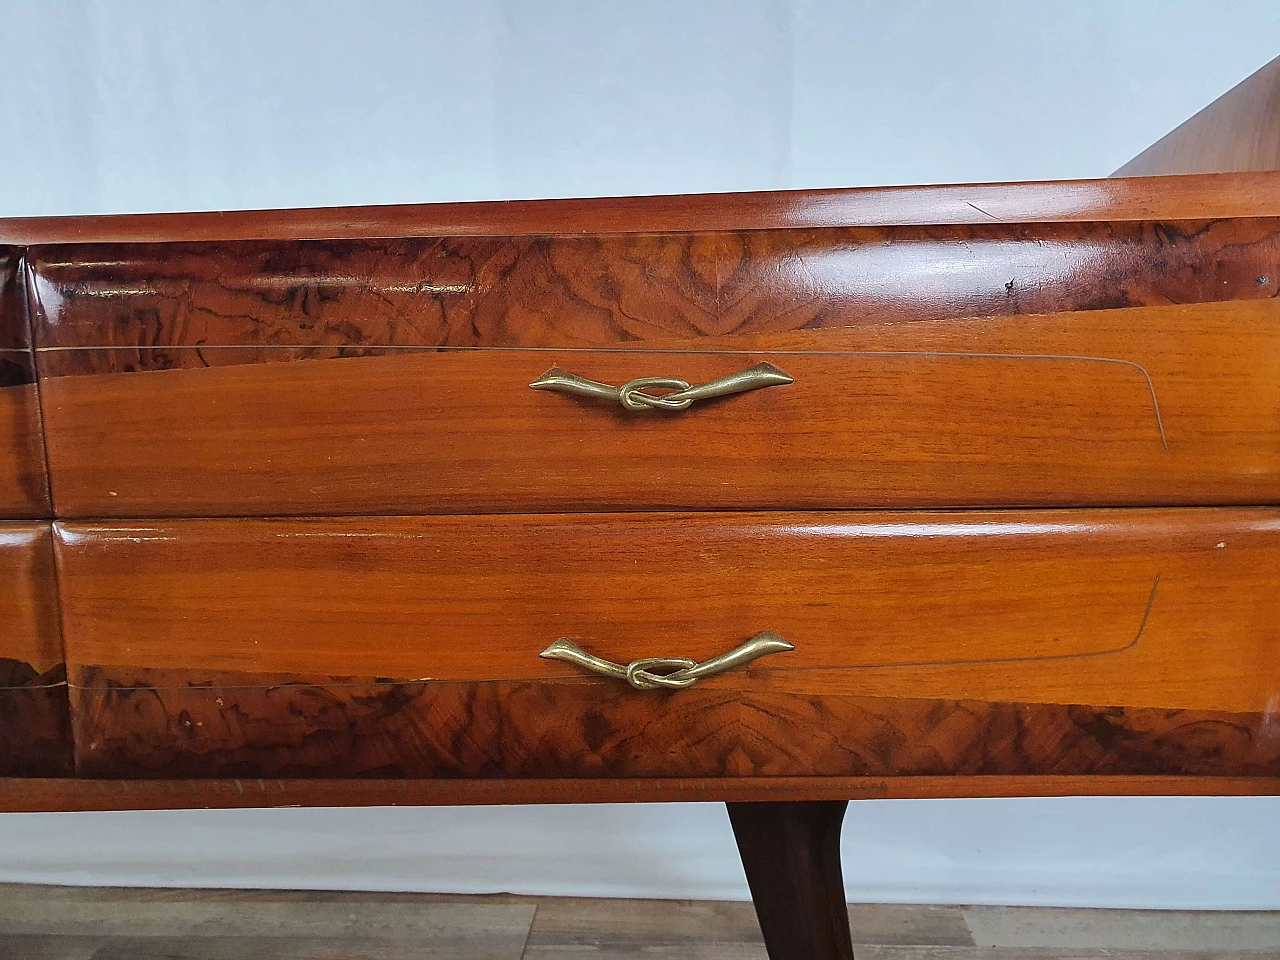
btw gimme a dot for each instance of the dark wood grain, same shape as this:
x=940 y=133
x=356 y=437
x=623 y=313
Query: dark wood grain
x=196 y=724
x=791 y=854
x=1240 y=131
x=1104 y=607
x=1169 y=198
x=24 y=489
x=178 y=305
x=1154 y=405
x=34 y=729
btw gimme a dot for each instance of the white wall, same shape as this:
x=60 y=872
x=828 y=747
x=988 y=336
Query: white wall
x=117 y=106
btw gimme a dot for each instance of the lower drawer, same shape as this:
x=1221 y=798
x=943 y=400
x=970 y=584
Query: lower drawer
x=1028 y=642
x=35 y=737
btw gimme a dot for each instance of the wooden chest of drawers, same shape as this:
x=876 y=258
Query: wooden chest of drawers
x=469 y=504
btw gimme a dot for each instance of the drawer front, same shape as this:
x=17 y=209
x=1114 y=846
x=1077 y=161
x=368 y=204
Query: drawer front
x=1163 y=405
x=24 y=490
x=392 y=376
x=35 y=736
x=1037 y=642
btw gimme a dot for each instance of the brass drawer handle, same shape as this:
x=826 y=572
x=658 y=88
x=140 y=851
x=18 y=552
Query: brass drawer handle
x=632 y=396
x=668 y=673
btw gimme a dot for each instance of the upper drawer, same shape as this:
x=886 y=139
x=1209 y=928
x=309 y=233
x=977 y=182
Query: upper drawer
x=393 y=376
x=24 y=491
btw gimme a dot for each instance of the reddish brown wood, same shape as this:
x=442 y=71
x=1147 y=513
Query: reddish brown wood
x=35 y=733
x=791 y=854
x=82 y=794
x=24 y=489
x=1095 y=607
x=1004 y=614
x=138 y=724
x=1061 y=644
x=1237 y=132
x=34 y=730
x=1181 y=198
x=165 y=306
x=1162 y=405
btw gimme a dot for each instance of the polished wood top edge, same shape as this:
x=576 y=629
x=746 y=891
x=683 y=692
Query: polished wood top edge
x=1202 y=196
x=68 y=528
x=71 y=794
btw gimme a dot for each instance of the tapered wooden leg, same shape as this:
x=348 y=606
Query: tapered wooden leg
x=791 y=852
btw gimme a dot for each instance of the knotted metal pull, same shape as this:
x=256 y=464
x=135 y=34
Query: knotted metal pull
x=668 y=673
x=633 y=396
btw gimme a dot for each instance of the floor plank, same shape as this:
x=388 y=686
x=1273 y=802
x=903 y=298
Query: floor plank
x=654 y=923
x=1125 y=929
x=18 y=947
x=565 y=922
x=501 y=926
x=75 y=923
x=689 y=951
x=294 y=948
x=883 y=952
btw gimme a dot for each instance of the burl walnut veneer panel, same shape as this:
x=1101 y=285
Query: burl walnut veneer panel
x=175 y=305
x=24 y=490
x=34 y=731
x=1090 y=407
x=1050 y=643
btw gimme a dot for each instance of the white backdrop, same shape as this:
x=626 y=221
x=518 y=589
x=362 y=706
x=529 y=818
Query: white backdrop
x=119 y=106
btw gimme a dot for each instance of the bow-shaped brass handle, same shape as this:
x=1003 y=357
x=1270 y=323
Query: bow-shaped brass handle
x=632 y=396
x=668 y=673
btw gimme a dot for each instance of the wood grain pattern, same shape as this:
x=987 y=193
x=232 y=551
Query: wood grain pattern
x=34 y=730
x=1099 y=607
x=193 y=724
x=1063 y=644
x=24 y=489
x=74 y=793
x=1160 y=405
x=1143 y=198
x=350 y=297
x=1237 y=132
x=29 y=597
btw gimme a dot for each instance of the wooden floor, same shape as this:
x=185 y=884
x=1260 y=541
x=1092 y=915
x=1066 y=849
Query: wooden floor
x=68 y=923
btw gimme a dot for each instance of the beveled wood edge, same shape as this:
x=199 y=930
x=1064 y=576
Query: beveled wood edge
x=1198 y=197
x=19 y=795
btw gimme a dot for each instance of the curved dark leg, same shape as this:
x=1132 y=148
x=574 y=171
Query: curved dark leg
x=791 y=852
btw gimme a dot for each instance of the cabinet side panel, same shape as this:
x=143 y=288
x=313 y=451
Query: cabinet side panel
x=24 y=489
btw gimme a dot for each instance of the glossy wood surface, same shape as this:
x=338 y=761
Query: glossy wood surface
x=176 y=305
x=1161 y=405
x=187 y=724
x=253 y=648
x=24 y=490
x=1178 y=198
x=27 y=794
x=1240 y=131
x=791 y=854
x=1101 y=607
x=34 y=731
x=1117 y=346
